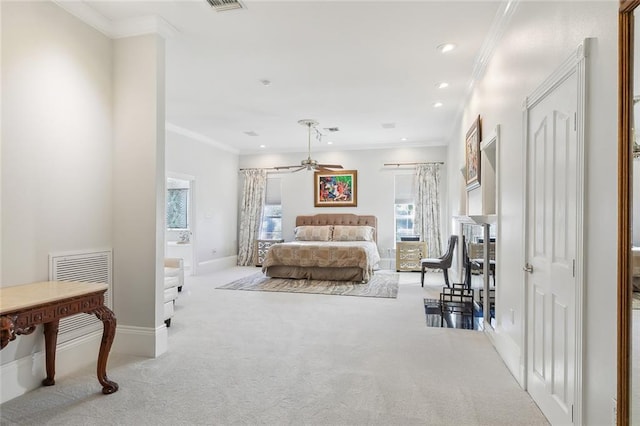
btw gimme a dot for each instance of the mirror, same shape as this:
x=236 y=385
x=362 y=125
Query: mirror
x=480 y=240
x=625 y=208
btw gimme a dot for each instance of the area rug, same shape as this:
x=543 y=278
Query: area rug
x=380 y=285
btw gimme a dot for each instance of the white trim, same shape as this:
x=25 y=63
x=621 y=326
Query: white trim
x=25 y=374
x=217 y=264
x=503 y=16
x=582 y=54
x=501 y=20
x=574 y=64
x=170 y=127
x=117 y=29
x=141 y=341
x=141 y=26
x=509 y=351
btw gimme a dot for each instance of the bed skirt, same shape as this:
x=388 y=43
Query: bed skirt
x=315 y=273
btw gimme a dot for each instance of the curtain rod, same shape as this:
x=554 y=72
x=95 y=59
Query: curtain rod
x=412 y=164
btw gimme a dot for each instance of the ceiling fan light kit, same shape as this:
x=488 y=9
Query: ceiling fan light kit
x=309 y=163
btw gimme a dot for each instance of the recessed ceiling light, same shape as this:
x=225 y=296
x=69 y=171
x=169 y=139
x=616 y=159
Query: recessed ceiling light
x=443 y=85
x=403 y=139
x=437 y=104
x=446 y=47
x=329 y=143
x=263 y=146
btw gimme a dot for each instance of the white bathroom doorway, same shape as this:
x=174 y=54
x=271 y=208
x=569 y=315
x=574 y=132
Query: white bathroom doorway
x=180 y=230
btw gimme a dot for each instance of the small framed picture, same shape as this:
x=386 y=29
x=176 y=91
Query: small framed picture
x=472 y=155
x=335 y=188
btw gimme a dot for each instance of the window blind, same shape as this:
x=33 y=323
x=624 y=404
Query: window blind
x=274 y=194
x=404 y=189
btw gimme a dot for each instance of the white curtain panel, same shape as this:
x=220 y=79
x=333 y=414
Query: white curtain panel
x=427 y=221
x=253 y=196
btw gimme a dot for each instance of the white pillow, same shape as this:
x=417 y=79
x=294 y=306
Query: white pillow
x=353 y=233
x=313 y=233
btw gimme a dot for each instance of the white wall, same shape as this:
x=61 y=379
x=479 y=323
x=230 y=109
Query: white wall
x=139 y=189
x=375 y=185
x=56 y=146
x=541 y=36
x=216 y=180
x=68 y=94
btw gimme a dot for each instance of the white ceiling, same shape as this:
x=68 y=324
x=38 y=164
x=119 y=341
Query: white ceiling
x=353 y=65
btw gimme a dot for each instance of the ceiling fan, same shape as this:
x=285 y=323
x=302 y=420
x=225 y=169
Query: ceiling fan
x=309 y=163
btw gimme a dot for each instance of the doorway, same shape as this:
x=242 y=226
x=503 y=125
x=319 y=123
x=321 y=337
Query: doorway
x=180 y=230
x=553 y=241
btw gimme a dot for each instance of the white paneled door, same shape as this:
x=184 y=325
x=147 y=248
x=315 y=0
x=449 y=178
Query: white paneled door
x=551 y=247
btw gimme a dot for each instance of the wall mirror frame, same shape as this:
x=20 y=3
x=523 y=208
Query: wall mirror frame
x=625 y=204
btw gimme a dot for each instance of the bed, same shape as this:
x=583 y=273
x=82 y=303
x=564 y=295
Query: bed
x=335 y=247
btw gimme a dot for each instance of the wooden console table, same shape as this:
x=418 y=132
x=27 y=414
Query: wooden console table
x=23 y=307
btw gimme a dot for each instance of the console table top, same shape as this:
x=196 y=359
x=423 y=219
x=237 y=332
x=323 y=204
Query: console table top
x=26 y=295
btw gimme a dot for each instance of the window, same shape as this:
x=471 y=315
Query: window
x=177 y=204
x=404 y=208
x=404 y=215
x=271 y=227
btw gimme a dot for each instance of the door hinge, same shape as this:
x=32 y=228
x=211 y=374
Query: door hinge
x=574 y=268
x=575 y=121
x=571 y=413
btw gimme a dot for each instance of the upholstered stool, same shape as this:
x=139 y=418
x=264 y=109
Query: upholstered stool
x=170 y=296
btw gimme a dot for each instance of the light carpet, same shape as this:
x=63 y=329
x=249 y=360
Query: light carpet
x=277 y=359
x=383 y=285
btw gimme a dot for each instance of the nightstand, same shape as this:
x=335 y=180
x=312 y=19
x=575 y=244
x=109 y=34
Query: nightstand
x=262 y=246
x=409 y=254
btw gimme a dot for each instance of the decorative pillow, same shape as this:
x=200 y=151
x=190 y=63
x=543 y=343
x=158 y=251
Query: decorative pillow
x=313 y=233
x=353 y=233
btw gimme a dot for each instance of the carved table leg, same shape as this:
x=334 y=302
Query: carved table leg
x=7 y=331
x=50 y=341
x=109 y=332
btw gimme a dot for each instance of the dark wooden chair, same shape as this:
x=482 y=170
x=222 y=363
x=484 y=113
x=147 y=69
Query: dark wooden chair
x=443 y=262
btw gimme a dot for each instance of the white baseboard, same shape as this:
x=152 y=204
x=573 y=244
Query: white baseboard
x=511 y=355
x=141 y=341
x=26 y=374
x=387 y=263
x=217 y=264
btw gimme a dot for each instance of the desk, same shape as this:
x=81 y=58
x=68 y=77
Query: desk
x=24 y=307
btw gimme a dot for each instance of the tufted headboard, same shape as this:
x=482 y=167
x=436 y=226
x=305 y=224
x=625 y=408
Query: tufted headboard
x=339 y=219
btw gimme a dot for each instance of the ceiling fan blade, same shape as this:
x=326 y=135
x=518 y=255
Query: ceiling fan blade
x=286 y=167
x=330 y=166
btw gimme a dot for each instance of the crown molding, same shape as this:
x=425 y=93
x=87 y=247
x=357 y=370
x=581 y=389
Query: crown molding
x=117 y=29
x=503 y=16
x=170 y=127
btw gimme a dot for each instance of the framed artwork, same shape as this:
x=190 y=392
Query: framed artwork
x=472 y=155
x=335 y=188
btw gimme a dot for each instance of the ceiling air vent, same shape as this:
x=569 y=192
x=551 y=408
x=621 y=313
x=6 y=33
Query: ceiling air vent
x=332 y=129
x=222 y=5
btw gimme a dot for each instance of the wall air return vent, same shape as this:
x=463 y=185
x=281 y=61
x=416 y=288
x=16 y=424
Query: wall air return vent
x=88 y=266
x=222 y=5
